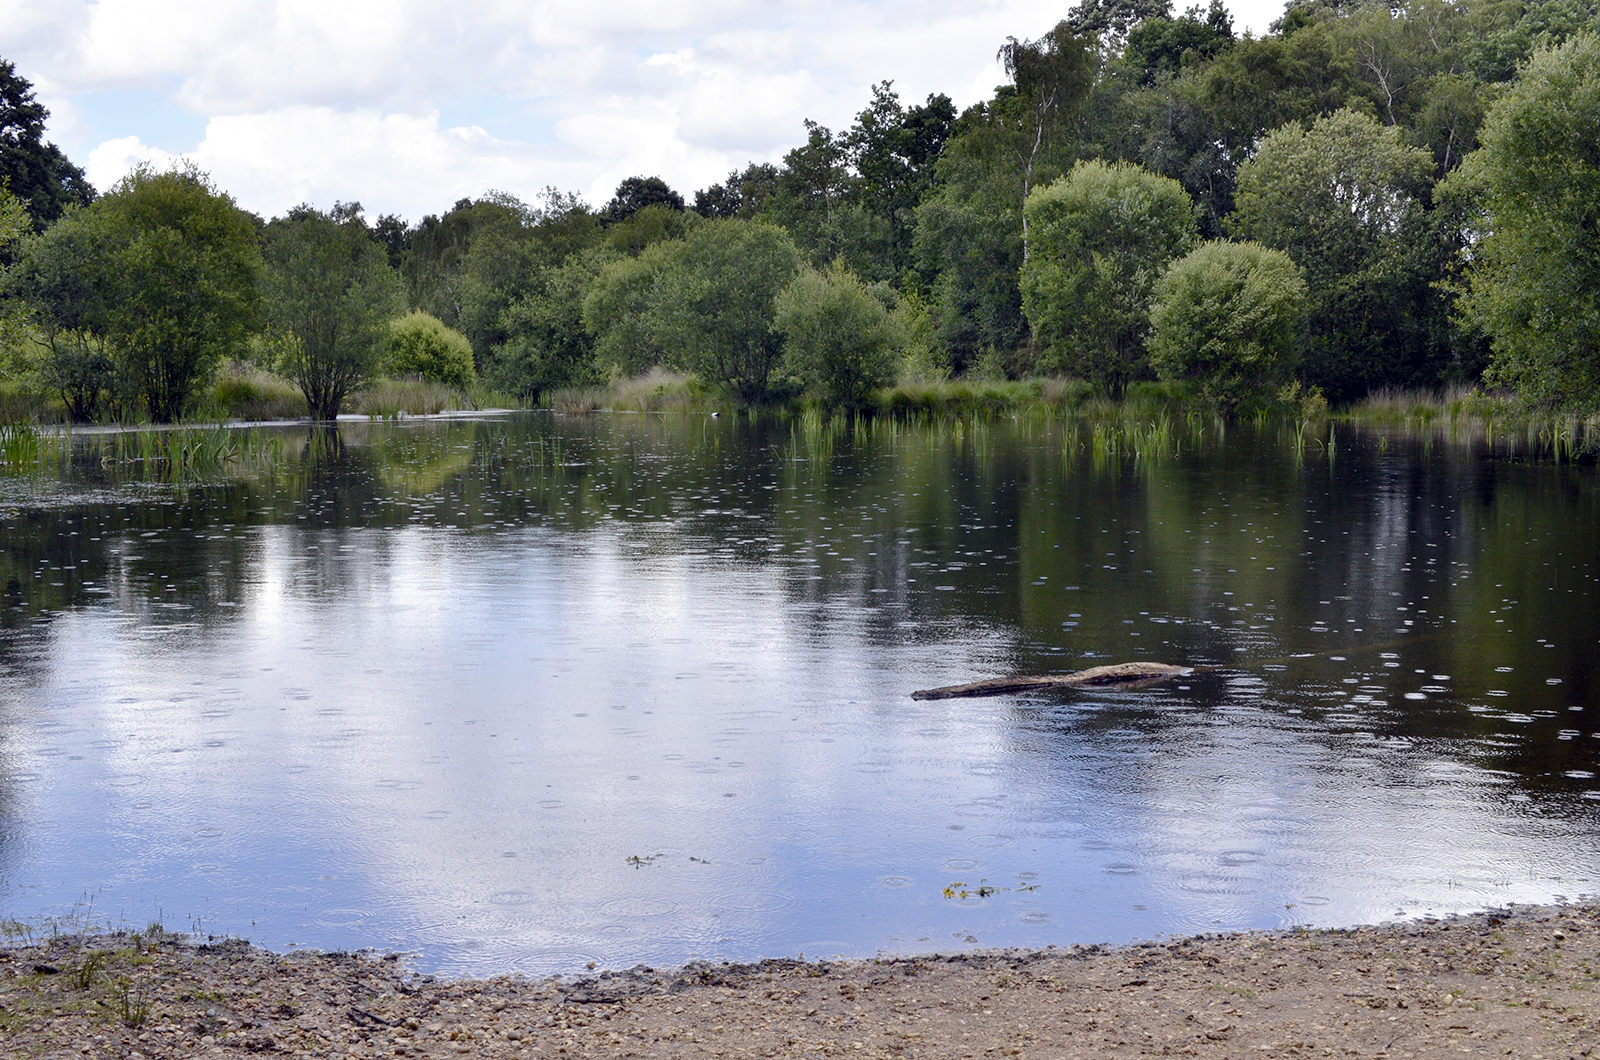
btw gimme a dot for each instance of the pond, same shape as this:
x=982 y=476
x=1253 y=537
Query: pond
x=519 y=693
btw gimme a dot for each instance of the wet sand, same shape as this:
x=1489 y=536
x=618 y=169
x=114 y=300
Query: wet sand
x=1519 y=982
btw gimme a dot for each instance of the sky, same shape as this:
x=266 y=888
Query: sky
x=408 y=105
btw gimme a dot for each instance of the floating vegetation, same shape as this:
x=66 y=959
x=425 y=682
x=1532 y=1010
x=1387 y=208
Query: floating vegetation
x=958 y=889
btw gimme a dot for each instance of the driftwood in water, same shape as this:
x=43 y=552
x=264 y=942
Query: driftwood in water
x=1122 y=675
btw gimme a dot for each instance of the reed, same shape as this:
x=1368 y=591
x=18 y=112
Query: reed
x=391 y=398
x=246 y=392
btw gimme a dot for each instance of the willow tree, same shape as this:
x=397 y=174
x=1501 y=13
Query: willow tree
x=331 y=292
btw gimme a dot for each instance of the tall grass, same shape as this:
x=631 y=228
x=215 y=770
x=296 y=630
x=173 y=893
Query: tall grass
x=246 y=392
x=657 y=390
x=972 y=397
x=1467 y=416
x=392 y=398
x=20 y=446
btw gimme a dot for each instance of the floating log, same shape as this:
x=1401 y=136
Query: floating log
x=1120 y=675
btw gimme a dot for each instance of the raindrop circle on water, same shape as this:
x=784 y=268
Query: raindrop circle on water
x=637 y=907
x=342 y=917
x=991 y=842
x=1240 y=857
x=512 y=898
x=753 y=902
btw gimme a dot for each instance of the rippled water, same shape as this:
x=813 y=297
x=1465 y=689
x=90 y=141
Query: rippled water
x=523 y=693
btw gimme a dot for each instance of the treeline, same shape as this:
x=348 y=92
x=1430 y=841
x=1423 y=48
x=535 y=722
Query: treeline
x=1369 y=196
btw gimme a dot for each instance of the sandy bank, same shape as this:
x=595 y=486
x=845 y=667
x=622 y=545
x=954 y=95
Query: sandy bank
x=1517 y=983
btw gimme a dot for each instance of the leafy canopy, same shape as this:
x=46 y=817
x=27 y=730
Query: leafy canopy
x=838 y=338
x=1226 y=318
x=330 y=291
x=1100 y=237
x=1534 y=280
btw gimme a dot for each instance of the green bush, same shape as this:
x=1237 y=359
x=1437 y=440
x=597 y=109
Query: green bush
x=421 y=344
x=1098 y=239
x=837 y=337
x=1227 y=319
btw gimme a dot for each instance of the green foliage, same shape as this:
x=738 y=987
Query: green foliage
x=969 y=240
x=838 y=338
x=331 y=291
x=647 y=226
x=921 y=358
x=617 y=311
x=60 y=285
x=33 y=170
x=1226 y=317
x=1099 y=239
x=244 y=392
x=641 y=193
x=712 y=304
x=1535 y=265
x=14 y=220
x=1345 y=199
x=421 y=344
x=1051 y=78
x=160 y=273
x=1162 y=46
x=547 y=345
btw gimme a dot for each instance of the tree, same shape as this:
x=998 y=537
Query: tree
x=1226 y=317
x=1112 y=21
x=62 y=282
x=744 y=194
x=1534 y=265
x=547 y=345
x=180 y=268
x=891 y=150
x=30 y=168
x=1051 y=76
x=1101 y=237
x=331 y=291
x=1161 y=46
x=635 y=193
x=618 y=314
x=1345 y=200
x=713 y=304
x=837 y=337
x=422 y=344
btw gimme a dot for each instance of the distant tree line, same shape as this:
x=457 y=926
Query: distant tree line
x=1370 y=195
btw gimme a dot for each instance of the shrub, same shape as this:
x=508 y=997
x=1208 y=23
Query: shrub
x=1226 y=318
x=837 y=337
x=421 y=344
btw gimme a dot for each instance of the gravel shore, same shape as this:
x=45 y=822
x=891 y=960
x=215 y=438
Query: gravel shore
x=1519 y=982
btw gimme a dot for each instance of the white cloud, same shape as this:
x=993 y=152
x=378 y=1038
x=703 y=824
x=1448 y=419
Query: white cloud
x=389 y=162
x=311 y=100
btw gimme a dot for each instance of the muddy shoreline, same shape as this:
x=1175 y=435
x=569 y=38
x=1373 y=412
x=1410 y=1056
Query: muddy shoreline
x=1520 y=982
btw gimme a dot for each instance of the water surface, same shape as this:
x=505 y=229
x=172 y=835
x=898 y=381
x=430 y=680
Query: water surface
x=522 y=693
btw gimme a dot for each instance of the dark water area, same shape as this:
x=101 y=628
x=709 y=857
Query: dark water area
x=520 y=693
